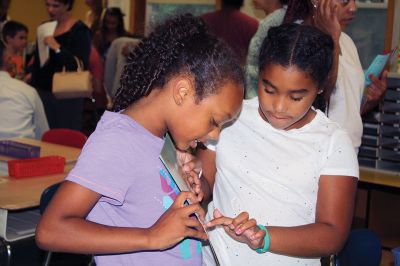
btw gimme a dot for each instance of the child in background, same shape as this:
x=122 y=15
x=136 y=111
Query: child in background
x=15 y=36
x=283 y=163
x=118 y=202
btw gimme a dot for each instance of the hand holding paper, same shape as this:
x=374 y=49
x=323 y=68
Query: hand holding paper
x=51 y=42
x=376 y=67
x=375 y=87
x=176 y=223
x=168 y=157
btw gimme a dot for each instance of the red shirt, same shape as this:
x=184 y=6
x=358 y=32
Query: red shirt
x=234 y=27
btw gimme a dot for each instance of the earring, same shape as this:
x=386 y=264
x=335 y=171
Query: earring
x=314 y=4
x=320 y=91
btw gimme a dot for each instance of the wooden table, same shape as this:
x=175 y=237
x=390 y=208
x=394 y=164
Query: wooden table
x=371 y=178
x=382 y=199
x=21 y=196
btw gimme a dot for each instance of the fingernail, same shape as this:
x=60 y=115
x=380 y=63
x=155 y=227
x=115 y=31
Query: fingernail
x=238 y=231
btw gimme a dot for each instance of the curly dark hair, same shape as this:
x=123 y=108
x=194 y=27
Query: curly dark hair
x=305 y=47
x=297 y=9
x=180 y=45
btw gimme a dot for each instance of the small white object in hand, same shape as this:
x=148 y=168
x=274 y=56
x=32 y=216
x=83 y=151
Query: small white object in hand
x=201 y=172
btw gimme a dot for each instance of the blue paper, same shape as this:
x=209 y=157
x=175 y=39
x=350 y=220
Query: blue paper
x=376 y=67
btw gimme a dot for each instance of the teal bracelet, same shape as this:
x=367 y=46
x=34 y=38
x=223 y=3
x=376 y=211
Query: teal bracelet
x=266 y=240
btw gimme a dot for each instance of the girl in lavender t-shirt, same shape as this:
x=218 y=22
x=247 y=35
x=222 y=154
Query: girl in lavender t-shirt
x=119 y=202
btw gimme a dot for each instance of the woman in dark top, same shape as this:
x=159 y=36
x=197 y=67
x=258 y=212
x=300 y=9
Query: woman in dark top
x=71 y=39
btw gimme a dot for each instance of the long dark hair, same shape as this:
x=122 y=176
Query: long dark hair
x=117 y=13
x=180 y=45
x=305 y=47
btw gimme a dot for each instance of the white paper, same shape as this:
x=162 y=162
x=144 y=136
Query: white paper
x=168 y=157
x=44 y=30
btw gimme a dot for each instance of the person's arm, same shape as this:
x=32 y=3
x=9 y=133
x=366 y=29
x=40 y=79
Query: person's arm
x=326 y=236
x=334 y=213
x=96 y=68
x=63 y=226
x=375 y=92
x=110 y=67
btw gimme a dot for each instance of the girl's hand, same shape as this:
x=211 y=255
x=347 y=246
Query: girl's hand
x=177 y=223
x=375 y=92
x=51 y=42
x=377 y=88
x=241 y=228
x=326 y=18
x=191 y=169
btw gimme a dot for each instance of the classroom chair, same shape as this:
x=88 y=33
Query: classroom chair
x=64 y=136
x=362 y=247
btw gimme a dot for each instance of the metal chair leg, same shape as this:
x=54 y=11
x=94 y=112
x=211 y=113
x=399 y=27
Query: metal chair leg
x=91 y=262
x=47 y=259
x=8 y=250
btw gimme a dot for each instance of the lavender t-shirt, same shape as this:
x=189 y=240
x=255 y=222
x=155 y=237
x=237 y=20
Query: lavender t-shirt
x=121 y=162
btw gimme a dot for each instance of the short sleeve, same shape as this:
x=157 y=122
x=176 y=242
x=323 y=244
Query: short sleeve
x=102 y=165
x=340 y=158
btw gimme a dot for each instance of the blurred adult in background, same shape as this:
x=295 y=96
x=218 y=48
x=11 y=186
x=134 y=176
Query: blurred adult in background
x=115 y=62
x=233 y=26
x=111 y=28
x=71 y=40
x=21 y=110
x=274 y=11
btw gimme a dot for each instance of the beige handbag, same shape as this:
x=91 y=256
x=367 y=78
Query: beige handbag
x=72 y=84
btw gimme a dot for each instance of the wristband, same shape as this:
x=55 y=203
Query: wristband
x=266 y=240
